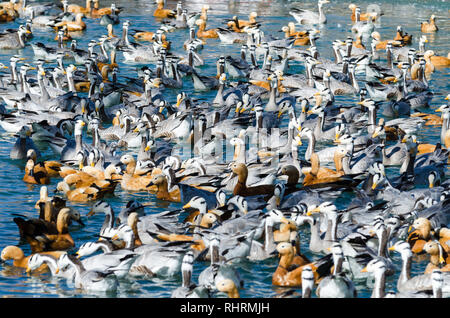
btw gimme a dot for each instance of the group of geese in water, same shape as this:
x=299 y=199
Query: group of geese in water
x=253 y=207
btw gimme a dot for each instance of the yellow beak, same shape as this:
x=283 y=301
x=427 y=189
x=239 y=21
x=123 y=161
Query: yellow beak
x=187 y=205
x=310 y=212
x=364 y=270
x=147 y=148
x=284 y=220
x=374 y=185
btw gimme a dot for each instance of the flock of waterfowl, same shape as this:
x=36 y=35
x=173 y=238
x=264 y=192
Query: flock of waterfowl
x=261 y=202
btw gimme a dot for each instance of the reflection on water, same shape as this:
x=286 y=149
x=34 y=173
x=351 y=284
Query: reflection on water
x=17 y=197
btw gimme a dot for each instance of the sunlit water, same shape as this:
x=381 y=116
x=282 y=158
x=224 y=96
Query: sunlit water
x=18 y=197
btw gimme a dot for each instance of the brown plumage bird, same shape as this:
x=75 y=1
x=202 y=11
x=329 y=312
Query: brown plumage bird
x=241 y=188
x=47 y=236
x=429 y=26
x=160 y=12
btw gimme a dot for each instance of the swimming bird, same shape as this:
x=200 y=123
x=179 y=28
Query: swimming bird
x=290 y=276
x=161 y=12
x=88 y=280
x=309 y=17
x=337 y=285
x=429 y=26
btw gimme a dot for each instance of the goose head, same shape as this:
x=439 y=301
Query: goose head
x=198 y=203
x=100 y=207
x=403 y=248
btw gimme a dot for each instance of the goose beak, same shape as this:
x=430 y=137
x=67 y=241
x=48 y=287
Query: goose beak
x=187 y=205
x=364 y=270
x=28 y=270
x=91 y=213
x=147 y=148
x=284 y=220
x=310 y=212
x=392 y=248
x=57 y=270
x=136 y=130
x=374 y=185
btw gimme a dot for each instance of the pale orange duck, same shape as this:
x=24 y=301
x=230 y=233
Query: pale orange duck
x=288 y=274
x=403 y=37
x=243 y=23
x=132 y=181
x=161 y=12
x=439 y=258
x=96 y=11
x=382 y=44
x=52 y=167
x=429 y=26
x=362 y=16
x=420 y=235
x=203 y=33
x=73 y=26
x=35 y=173
x=439 y=61
x=301 y=37
x=75 y=8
